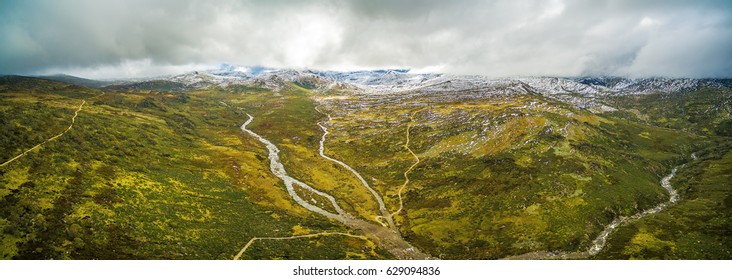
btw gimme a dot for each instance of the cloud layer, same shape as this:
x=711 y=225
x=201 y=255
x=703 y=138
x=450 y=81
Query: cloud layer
x=119 y=39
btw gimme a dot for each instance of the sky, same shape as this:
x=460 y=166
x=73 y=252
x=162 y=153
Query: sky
x=128 y=39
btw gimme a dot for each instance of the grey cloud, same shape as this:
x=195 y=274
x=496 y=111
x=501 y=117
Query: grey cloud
x=495 y=38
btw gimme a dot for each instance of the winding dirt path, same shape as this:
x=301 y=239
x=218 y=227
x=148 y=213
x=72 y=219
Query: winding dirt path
x=382 y=207
x=384 y=237
x=406 y=173
x=73 y=119
x=241 y=252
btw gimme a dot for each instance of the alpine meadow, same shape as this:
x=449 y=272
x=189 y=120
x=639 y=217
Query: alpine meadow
x=360 y=130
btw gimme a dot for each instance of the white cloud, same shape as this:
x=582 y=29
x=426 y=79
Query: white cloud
x=496 y=38
x=647 y=22
x=127 y=69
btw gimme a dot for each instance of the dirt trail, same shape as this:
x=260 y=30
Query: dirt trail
x=406 y=173
x=384 y=237
x=241 y=252
x=73 y=119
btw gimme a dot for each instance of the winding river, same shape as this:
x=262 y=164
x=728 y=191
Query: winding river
x=601 y=240
x=382 y=208
x=385 y=237
x=390 y=239
x=279 y=170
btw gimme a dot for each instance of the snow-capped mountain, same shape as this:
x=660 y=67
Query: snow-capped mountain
x=398 y=80
x=380 y=80
x=583 y=92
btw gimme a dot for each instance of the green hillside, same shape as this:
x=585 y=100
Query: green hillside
x=143 y=176
x=158 y=170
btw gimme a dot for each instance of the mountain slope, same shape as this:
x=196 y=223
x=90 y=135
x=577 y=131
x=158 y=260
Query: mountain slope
x=77 y=80
x=143 y=176
x=480 y=168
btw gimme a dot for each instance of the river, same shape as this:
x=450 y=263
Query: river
x=601 y=240
x=383 y=236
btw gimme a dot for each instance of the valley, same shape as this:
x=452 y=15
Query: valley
x=365 y=165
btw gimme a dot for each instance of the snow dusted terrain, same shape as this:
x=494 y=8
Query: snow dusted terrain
x=379 y=81
x=582 y=92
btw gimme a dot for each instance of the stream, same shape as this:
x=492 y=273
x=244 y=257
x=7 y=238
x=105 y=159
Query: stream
x=383 y=236
x=601 y=240
x=382 y=208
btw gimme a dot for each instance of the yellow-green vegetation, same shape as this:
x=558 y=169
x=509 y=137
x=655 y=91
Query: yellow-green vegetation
x=348 y=248
x=144 y=174
x=502 y=176
x=705 y=111
x=289 y=119
x=698 y=227
x=159 y=170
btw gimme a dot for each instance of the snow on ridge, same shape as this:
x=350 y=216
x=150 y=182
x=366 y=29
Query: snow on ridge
x=582 y=92
x=399 y=80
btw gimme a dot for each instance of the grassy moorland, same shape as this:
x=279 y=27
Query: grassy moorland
x=146 y=175
x=698 y=227
x=707 y=111
x=158 y=170
x=502 y=176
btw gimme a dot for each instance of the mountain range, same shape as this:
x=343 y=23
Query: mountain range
x=265 y=163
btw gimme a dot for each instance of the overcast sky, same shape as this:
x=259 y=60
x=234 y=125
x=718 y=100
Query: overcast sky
x=120 y=39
